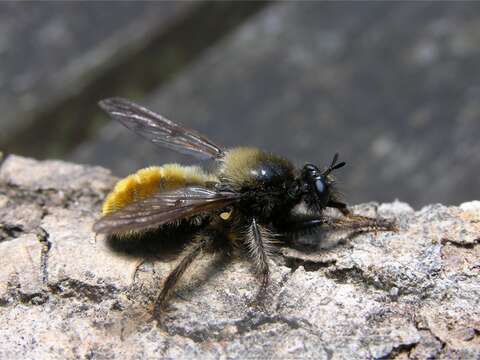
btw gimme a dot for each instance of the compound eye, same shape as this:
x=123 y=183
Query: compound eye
x=322 y=191
x=320 y=186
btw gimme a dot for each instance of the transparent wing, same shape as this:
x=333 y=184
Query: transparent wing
x=160 y=130
x=164 y=207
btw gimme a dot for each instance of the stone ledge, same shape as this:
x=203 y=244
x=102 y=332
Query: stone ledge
x=63 y=294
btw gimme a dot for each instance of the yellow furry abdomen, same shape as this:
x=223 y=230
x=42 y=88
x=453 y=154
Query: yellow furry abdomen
x=148 y=181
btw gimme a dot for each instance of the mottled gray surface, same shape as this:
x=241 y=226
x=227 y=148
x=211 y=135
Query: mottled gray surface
x=63 y=294
x=50 y=50
x=393 y=86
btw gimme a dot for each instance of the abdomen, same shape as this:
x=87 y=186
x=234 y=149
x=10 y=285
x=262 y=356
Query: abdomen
x=148 y=181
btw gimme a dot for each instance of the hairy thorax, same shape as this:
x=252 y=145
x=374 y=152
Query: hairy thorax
x=264 y=178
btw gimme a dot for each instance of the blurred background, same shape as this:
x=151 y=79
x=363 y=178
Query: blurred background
x=394 y=87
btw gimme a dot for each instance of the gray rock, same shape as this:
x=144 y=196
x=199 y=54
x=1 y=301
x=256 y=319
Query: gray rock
x=392 y=86
x=52 y=51
x=64 y=294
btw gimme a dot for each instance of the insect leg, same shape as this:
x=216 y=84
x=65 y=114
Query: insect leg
x=300 y=224
x=137 y=267
x=342 y=207
x=258 y=241
x=191 y=253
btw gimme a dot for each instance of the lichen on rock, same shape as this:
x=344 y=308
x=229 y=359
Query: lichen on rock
x=65 y=294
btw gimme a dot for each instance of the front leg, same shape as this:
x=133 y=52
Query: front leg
x=303 y=224
x=342 y=207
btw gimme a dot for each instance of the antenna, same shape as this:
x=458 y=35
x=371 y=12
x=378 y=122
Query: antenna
x=334 y=165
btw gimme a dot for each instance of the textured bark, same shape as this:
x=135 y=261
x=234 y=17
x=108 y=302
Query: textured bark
x=64 y=294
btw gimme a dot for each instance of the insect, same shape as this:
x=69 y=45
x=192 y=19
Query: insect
x=248 y=202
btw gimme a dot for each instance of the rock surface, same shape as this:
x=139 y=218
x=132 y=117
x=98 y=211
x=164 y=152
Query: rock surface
x=53 y=51
x=64 y=294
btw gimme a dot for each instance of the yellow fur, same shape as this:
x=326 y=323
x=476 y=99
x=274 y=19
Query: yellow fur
x=146 y=182
x=238 y=162
x=239 y=165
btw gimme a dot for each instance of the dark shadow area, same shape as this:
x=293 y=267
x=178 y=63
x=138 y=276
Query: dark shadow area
x=159 y=244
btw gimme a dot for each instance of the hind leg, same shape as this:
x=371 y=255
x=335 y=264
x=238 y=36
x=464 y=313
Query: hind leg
x=258 y=241
x=211 y=239
x=190 y=254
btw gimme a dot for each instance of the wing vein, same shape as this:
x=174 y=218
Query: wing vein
x=159 y=130
x=163 y=208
